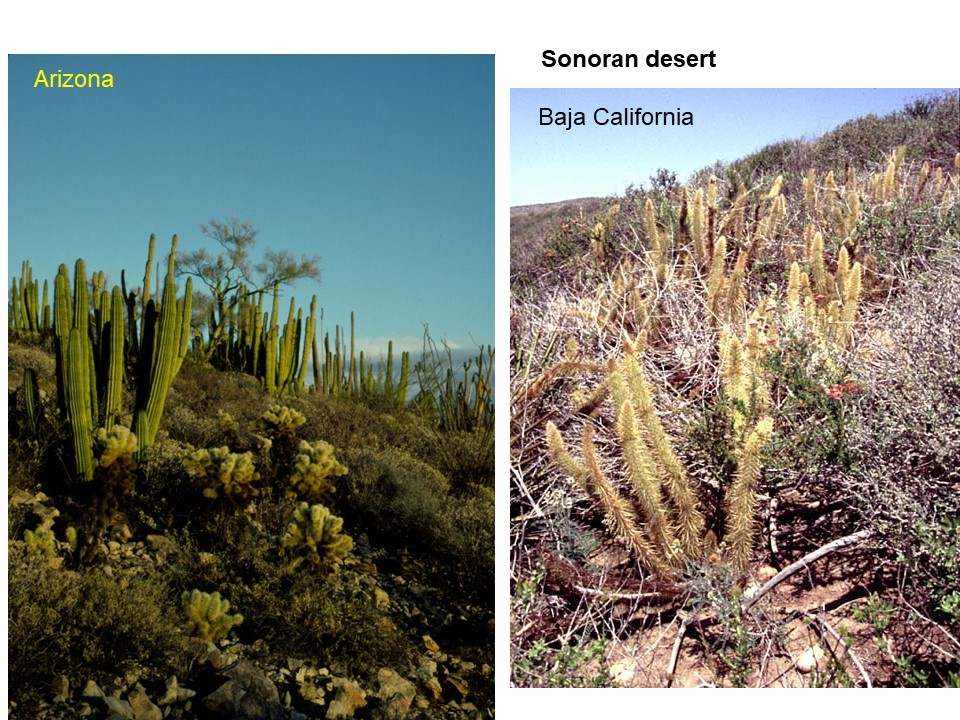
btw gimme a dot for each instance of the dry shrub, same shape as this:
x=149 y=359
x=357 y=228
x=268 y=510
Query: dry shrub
x=905 y=437
x=86 y=626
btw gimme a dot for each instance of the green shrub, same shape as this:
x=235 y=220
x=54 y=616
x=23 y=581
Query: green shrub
x=85 y=626
x=338 y=623
x=394 y=496
x=401 y=500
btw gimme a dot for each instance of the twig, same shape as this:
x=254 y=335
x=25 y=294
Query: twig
x=611 y=595
x=675 y=655
x=847 y=649
x=805 y=562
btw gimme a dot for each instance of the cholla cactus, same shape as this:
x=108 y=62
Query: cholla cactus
x=281 y=420
x=314 y=536
x=226 y=474
x=207 y=615
x=313 y=467
x=280 y=424
x=116 y=450
x=227 y=423
x=42 y=545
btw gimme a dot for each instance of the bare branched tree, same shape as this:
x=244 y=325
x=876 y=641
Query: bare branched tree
x=231 y=274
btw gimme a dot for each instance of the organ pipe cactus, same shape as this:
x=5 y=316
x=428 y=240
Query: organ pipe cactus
x=165 y=342
x=27 y=315
x=90 y=362
x=79 y=410
x=31 y=397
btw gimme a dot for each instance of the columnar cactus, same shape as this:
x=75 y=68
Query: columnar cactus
x=79 y=410
x=31 y=396
x=164 y=345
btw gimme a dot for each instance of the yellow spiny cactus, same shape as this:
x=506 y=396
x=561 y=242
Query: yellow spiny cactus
x=667 y=466
x=843 y=269
x=224 y=474
x=208 y=615
x=851 y=300
x=817 y=265
x=715 y=280
x=851 y=216
x=810 y=192
x=314 y=536
x=313 y=466
x=619 y=513
x=742 y=496
x=735 y=292
x=698 y=228
x=660 y=243
x=770 y=224
x=775 y=188
x=646 y=487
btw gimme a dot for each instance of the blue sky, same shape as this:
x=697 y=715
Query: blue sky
x=381 y=165
x=550 y=163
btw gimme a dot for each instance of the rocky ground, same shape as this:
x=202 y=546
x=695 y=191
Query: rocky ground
x=248 y=682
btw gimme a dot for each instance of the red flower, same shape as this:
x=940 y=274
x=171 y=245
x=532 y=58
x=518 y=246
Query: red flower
x=838 y=391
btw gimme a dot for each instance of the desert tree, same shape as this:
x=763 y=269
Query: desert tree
x=231 y=274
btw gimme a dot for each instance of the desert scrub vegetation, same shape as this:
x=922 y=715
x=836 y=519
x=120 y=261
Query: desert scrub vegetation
x=724 y=383
x=161 y=494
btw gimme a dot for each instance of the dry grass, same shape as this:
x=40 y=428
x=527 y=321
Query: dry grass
x=572 y=590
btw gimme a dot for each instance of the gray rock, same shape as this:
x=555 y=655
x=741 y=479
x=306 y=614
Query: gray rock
x=347 y=697
x=161 y=543
x=174 y=693
x=454 y=689
x=204 y=651
x=311 y=693
x=247 y=694
x=394 y=693
x=118 y=707
x=92 y=690
x=143 y=708
x=427 y=675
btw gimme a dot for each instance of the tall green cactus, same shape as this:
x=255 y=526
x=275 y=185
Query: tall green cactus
x=31 y=396
x=79 y=409
x=165 y=342
x=27 y=315
x=112 y=347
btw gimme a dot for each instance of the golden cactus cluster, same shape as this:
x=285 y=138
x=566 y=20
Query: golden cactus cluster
x=208 y=615
x=224 y=474
x=314 y=537
x=649 y=501
x=827 y=301
x=313 y=467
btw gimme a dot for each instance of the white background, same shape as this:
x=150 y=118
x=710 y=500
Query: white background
x=808 y=44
